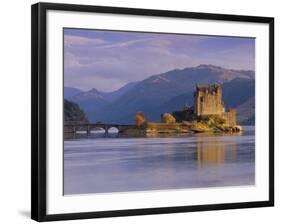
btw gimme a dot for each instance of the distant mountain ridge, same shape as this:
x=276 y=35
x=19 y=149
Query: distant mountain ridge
x=166 y=92
x=93 y=100
x=78 y=95
x=70 y=91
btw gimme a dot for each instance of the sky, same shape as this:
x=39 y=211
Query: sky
x=107 y=60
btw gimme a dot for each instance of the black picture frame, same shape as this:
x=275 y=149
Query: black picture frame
x=38 y=116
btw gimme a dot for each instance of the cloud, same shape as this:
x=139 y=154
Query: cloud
x=108 y=60
x=70 y=61
x=124 y=44
x=128 y=64
x=72 y=40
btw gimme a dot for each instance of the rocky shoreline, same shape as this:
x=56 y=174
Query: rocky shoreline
x=201 y=125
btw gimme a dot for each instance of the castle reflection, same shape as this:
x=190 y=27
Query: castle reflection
x=216 y=151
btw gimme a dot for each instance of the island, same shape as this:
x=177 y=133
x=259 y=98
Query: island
x=208 y=114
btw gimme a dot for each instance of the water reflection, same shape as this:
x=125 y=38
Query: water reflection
x=116 y=163
x=215 y=152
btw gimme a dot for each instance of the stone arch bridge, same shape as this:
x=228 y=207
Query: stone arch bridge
x=73 y=127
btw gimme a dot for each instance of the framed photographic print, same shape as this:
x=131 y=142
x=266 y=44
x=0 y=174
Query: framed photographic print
x=139 y=111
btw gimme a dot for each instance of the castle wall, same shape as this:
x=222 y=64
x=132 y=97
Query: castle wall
x=230 y=117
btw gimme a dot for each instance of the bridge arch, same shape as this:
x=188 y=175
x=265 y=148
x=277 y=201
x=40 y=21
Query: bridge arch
x=97 y=130
x=96 y=127
x=113 y=129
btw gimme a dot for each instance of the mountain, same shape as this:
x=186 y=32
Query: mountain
x=178 y=102
x=112 y=96
x=72 y=112
x=246 y=112
x=240 y=94
x=70 y=91
x=171 y=90
x=237 y=92
x=93 y=101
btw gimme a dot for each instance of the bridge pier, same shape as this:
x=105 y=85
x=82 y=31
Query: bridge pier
x=106 y=130
x=88 y=130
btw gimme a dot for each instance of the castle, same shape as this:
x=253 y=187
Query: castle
x=208 y=114
x=207 y=101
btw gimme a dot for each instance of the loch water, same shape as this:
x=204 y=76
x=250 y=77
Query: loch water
x=112 y=163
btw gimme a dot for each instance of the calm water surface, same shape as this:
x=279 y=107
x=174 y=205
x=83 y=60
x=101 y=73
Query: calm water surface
x=119 y=164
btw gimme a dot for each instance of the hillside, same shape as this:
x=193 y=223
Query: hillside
x=237 y=92
x=112 y=96
x=72 y=112
x=246 y=112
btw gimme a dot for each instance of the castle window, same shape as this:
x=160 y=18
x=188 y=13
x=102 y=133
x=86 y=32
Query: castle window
x=201 y=99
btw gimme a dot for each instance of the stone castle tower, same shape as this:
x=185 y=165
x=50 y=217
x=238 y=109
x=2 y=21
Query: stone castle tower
x=208 y=101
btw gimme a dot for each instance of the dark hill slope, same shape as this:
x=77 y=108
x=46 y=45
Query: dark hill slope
x=72 y=112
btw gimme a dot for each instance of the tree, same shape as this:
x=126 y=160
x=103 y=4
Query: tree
x=72 y=112
x=139 y=118
x=168 y=118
